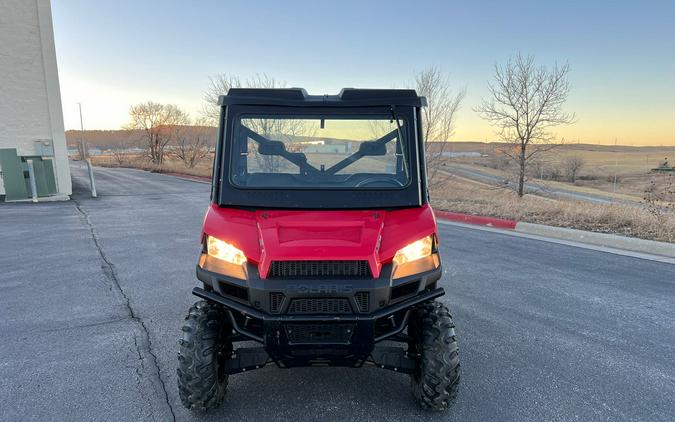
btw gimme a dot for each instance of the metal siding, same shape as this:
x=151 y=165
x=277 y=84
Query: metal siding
x=12 y=175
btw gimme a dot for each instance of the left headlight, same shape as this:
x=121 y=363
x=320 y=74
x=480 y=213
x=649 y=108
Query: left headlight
x=417 y=250
x=224 y=251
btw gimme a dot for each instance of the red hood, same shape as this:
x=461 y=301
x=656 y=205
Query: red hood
x=266 y=236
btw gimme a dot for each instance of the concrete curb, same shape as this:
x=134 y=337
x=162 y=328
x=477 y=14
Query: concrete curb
x=599 y=239
x=476 y=219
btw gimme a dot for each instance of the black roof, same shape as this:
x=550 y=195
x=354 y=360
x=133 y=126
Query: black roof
x=348 y=97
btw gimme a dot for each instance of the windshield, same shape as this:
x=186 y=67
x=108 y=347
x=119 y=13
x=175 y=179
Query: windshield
x=319 y=151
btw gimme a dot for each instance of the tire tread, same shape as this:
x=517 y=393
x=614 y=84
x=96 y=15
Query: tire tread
x=436 y=383
x=198 y=385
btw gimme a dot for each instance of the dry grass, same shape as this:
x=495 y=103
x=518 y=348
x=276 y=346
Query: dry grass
x=464 y=196
x=585 y=186
x=170 y=165
x=632 y=166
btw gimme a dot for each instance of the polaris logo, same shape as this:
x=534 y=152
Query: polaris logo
x=320 y=288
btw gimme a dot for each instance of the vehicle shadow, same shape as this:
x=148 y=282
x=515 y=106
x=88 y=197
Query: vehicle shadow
x=318 y=394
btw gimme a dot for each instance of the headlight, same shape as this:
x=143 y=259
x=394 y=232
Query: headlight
x=414 y=251
x=222 y=250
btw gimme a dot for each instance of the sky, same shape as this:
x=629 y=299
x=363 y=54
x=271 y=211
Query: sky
x=112 y=54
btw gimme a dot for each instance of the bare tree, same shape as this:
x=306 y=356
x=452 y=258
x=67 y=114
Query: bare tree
x=286 y=130
x=525 y=102
x=158 y=124
x=498 y=160
x=659 y=198
x=120 y=153
x=572 y=166
x=221 y=83
x=438 y=118
x=193 y=143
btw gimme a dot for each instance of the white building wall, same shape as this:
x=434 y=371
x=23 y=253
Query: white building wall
x=30 y=98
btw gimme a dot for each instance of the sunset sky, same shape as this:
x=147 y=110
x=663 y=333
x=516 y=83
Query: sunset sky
x=621 y=54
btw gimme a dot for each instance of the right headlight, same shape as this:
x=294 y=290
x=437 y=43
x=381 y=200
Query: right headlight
x=416 y=257
x=417 y=250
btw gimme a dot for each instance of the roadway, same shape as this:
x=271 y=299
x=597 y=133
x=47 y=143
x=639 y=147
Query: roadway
x=93 y=293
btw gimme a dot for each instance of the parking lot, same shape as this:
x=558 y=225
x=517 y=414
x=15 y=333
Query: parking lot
x=93 y=292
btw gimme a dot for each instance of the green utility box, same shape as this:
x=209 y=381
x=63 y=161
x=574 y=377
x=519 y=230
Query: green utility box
x=16 y=178
x=43 y=168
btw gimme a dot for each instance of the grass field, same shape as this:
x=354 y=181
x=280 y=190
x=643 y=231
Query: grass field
x=631 y=165
x=170 y=165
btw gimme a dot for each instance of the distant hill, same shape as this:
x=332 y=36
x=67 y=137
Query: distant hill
x=115 y=138
x=105 y=139
x=489 y=146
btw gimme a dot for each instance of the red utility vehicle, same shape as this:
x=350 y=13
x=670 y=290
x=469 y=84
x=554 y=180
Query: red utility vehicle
x=319 y=245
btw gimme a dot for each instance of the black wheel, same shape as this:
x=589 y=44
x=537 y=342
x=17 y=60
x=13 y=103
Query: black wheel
x=436 y=380
x=203 y=348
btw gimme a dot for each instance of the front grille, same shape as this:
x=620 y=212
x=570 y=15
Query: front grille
x=362 y=301
x=319 y=269
x=319 y=333
x=319 y=306
x=276 y=300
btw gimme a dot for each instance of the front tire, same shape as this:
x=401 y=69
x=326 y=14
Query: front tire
x=204 y=346
x=436 y=380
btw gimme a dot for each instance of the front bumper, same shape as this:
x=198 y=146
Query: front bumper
x=325 y=340
x=308 y=339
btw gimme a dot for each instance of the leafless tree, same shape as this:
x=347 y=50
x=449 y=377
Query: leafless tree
x=541 y=167
x=158 y=124
x=660 y=193
x=572 y=166
x=438 y=118
x=193 y=143
x=536 y=168
x=525 y=103
x=286 y=130
x=221 y=83
x=498 y=160
x=120 y=153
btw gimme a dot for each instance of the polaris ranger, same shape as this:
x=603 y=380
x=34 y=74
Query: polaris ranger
x=319 y=244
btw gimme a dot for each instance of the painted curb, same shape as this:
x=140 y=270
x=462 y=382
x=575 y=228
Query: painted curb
x=599 y=239
x=498 y=223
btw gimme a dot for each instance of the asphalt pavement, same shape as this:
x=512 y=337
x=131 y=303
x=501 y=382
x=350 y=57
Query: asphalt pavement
x=93 y=293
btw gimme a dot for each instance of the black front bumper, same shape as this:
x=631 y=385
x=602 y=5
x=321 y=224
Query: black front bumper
x=347 y=338
x=325 y=340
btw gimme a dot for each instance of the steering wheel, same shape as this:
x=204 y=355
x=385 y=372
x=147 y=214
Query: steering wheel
x=379 y=179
